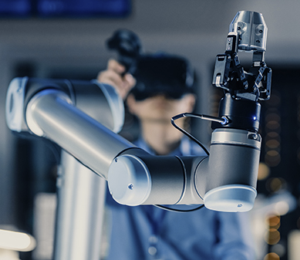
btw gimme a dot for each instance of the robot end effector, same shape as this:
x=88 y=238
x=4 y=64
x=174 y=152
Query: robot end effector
x=247 y=32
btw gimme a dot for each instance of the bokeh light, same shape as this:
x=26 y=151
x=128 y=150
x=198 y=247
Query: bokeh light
x=272 y=158
x=263 y=171
x=272 y=256
x=274 y=222
x=281 y=208
x=272 y=237
x=275 y=184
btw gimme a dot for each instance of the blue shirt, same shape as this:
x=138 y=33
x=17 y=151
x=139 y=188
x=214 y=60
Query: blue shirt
x=147 y=232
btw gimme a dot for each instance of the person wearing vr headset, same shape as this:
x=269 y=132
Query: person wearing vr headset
x=162 y=87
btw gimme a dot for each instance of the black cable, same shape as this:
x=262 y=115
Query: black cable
x=222 y=120
x=179 y=210
x=185 y=132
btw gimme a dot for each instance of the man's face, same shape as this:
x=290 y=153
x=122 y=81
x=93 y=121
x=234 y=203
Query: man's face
x=159 y=108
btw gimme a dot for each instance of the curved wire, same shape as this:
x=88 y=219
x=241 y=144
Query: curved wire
x=185 y=132
x=223 y=121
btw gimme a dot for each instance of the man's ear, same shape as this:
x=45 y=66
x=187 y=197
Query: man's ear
x=131 y=103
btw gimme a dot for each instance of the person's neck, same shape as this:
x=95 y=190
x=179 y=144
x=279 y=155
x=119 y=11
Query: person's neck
x=162 y=137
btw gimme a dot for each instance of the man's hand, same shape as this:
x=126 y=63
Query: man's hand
x=113 y=76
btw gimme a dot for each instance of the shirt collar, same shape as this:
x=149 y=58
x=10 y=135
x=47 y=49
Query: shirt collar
x=183 y=149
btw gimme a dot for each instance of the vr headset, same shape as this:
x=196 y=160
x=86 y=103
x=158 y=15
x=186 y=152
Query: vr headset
x=162 y=74
x=155 y=74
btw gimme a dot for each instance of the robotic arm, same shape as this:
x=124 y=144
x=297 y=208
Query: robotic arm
x=59 y=111
x=82 y=118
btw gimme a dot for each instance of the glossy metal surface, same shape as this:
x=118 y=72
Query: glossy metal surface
x=252 y=30
x=79 y=218
x=51 y=114
x=236 y=136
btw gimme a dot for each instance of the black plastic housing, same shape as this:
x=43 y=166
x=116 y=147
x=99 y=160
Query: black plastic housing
x=242 y=114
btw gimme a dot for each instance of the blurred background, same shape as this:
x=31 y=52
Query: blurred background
x=66 y=39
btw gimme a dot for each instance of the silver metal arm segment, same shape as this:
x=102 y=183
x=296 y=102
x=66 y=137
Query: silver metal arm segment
x=50 y=114
x=80 y=211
